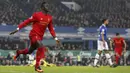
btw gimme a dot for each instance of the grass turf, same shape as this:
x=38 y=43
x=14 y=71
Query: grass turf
x=65 y=69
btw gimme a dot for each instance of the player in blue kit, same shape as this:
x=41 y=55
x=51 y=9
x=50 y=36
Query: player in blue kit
x=102 y=44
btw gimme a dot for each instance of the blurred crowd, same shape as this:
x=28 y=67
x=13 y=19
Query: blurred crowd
x=91 y=12
x=6 y=43
x=8 y=60
x=67 y=46
x=11 y=13
x=62 y=60
x=81 y=45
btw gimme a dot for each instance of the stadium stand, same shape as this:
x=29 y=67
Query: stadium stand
x=90 y=14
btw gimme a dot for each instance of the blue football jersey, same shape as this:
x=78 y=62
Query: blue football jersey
x=102 y=30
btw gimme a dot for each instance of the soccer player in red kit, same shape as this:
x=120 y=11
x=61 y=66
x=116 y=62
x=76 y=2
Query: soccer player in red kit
x=119 y=47
x=40 y=21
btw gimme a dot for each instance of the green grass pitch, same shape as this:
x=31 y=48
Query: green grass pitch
x=65 y=69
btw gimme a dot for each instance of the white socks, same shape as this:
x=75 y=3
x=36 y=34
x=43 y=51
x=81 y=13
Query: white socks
x=109 y=58
x=96 y=59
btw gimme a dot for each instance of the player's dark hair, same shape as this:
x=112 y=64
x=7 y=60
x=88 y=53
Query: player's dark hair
x=104 y=20
x=42 y=5
x=117 y=34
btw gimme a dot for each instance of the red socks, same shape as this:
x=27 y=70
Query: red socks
x=38 y=58
x=39 y=55
x=117 y=59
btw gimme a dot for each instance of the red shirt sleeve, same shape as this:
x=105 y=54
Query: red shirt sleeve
x=122 y=39
x=50 y=27
x=27 y=21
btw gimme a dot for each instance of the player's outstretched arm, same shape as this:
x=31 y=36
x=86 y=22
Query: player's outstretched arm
x=25 y=23
x=13 y=32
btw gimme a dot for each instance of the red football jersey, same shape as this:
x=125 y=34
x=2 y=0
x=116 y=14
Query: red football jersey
x=40 y=22
x=118 y=42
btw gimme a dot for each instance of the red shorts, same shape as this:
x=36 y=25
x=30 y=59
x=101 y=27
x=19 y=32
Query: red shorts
x=118 y=50
x=34 y=39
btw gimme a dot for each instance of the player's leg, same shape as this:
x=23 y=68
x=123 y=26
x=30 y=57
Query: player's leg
x=117 y=58
x=18 y=52
x=39 y=56
x=25 y=51
x=118 y=54
x=29 y=50
x=108 y=56
x=97 y=58
x=100 y=44
x=125 y=59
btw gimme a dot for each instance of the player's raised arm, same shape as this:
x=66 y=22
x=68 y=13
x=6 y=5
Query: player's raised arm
x=52 y=31
x=25 y=23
